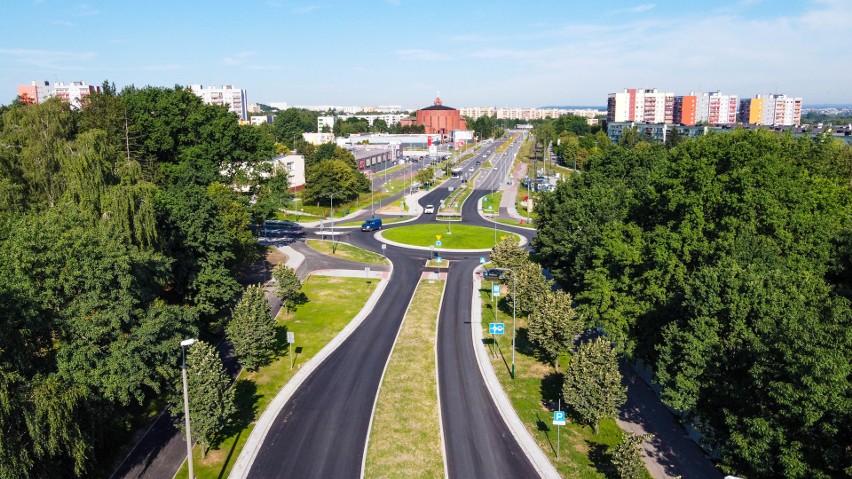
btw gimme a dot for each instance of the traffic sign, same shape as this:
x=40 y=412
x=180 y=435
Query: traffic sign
x=438 y=244
x=291 y=337
x=495 y=290
x=482 y=260
x=437 y=259
x=558 y=418
x=496 y=328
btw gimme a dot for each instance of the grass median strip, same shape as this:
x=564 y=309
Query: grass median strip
x=347 y=251
x=534 y=392
x=405 y=438
x=332 y=303
x=459 y=236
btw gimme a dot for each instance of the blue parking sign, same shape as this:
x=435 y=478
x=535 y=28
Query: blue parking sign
x=558 y=418
x=495 y=290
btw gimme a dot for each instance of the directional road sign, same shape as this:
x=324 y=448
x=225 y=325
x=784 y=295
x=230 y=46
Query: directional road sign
x=495 y=290
x=558 y=418
x=496 y=328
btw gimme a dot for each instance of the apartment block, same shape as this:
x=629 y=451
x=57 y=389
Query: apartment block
x=684 y=110
x=771 y=110
x=72 y=92
x=229 y=96
x=641 y=105
x=722 y=109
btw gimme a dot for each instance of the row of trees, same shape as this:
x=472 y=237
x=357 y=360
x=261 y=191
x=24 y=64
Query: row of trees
x=120 y=235
x=726 y=263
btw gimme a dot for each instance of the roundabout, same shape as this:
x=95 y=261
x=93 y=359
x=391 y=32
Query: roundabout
x=459 y=237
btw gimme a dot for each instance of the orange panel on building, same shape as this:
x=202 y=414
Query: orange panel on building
x=684 y=110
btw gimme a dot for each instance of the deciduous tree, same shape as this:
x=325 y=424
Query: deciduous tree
x=211 y=400
x=252 y=329
x=592 y=384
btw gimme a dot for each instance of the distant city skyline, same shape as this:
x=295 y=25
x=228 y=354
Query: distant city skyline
x=380 y=52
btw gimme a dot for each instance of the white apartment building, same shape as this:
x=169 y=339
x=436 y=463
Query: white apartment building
x=318 y=138
x=722 y=109
x=525 y=114
x=229 y=96
x=261 y=119
x=640 y=105
x=781 y=110
x=325 y=121
x=294 y=165
x=72 y=92
x=389 y=118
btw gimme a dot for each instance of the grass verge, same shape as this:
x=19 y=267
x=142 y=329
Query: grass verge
x=405 y=439
x=534 y=393
x=461 y=237
x=346 y=251
x=332 y=303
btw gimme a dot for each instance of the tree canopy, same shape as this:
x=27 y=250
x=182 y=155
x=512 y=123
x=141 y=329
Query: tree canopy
x=724 y=262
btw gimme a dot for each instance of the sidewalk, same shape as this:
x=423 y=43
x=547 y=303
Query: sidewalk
x=510 y=194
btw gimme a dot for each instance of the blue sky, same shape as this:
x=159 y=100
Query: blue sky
x=401 y=52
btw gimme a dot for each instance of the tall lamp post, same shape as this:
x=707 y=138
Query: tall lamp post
x=183 y=345
x=514 y=302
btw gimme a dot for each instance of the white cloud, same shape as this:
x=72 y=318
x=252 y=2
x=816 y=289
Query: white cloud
x=637 y=9
x=419 y=54
x=48 y=59
x=237 y=59
x=305 y=9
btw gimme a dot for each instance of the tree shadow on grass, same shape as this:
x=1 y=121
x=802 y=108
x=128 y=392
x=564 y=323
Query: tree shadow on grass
x=281 y=345
x=551 y=391
x=544 y=427
x=522 y=342
x=245 y=399
x=601 y=458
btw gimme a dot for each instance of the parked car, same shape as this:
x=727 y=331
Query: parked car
x=429 y=209
x=493 y=274
x=372 y=224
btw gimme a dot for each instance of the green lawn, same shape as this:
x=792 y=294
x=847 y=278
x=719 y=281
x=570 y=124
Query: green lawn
x=460 y=237
x=332 y=303
x=534 y=393
x=346 y=251
x=405 y=438
x=492 y=200
x=504 y=221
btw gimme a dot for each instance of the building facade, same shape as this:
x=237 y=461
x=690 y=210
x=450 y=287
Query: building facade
x=638 y=105
x=722 y=108
x=294 y=166
x=229 y=96
x=440 y=119
x=73 y=92
x=684 y=110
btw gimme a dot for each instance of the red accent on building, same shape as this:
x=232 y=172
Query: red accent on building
x=684 y=110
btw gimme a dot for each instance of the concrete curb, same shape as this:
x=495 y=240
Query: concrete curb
x=264 y=423
x=534 y=453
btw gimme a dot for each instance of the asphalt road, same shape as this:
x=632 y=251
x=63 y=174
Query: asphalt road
x=322 y=430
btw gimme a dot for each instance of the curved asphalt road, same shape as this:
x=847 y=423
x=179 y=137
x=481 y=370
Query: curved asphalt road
x=322 y=430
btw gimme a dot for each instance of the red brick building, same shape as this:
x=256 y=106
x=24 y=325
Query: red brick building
x=440 y=119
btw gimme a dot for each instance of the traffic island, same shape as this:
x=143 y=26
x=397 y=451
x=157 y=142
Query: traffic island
x=440 y=236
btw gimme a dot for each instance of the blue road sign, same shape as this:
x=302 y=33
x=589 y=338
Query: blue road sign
x=438 y=259
x=559 y=418
x=438 y=243
x=481 y=259
x=496 y=328
x=495 y=290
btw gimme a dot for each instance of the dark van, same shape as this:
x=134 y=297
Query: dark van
x=372 y=224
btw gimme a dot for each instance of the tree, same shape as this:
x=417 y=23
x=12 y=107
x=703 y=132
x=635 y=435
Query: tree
x=508 y=253
x=252 y=329
x=211 y=400
x=592 y=384
x=333 y=180
x=553 y=325
x=627 y=455
x=529 y=289
x=287 y=284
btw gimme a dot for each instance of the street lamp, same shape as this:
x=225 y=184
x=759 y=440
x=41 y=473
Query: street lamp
x=183 y=345
x=514 y=303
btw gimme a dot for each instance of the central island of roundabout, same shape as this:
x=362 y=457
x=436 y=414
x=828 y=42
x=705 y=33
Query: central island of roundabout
x=440 y=237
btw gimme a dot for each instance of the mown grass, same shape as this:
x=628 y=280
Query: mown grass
x=405 y=439
x=534 y=393
x=332 y=303
x=492 y=200
x=461 y=237
x=346 y=251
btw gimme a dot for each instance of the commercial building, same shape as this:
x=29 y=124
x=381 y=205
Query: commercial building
x=440 y=119
x=73 y=92
x=229 y=96
x=410 y=140
x=638 y=105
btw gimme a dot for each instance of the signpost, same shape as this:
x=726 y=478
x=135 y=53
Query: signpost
x=384 y=247
x=367 y=274
x=291 y=338
x=495 y=329
x=438 y=243
x=558 y=421
x=495 y=290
